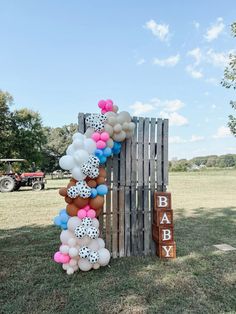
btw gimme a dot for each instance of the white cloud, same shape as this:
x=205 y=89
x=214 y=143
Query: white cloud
x=222 y=132
x=141 y=108
x=215 y=30
x=141 y=61
x=212 y=80
x=197 y=138
x=196 y=24
x=213 y=106
x=196 y=54
x=176 y=140
x=218 y=59
x=197 y=74
x=174 y=118
x=169 y=62
x=159 y=30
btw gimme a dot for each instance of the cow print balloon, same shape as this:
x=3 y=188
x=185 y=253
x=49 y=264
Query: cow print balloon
x=80 y=232
x=96 y=121
x=93 y=257
x=87 y=222
x=84 y=252
x=92 y=232
x=73 y=192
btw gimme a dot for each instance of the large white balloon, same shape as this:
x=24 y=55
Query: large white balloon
x=65 y=236
x=90 y=145
x=70 y=150
x=73 y=262
x=94 y=245
x=78 y=144
x=84 y=241
x=81 y=156
x=77 y=174
x=104 y=257
x=73 y=222
x=78 y=136
x=73 y=252
x=84 y=264
x=67 y=162
x=95 y=223
x=64 y=249
x=101 y=243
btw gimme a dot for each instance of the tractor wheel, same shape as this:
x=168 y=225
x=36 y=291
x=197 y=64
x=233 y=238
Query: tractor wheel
x=17 y=186
x=37 y=186
x=7 y=184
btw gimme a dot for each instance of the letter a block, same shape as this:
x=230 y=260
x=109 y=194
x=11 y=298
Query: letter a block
x=162 y=200
x=163 y=218
x=166 y=250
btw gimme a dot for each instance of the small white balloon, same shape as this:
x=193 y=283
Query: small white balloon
x=70 y=271
x=90 y=145
x=77 y=174
x=89 y=132
x=70 y=150
x=73 y=262
x=84 y=241
x=64 y=249
x=81 y=156
x=67 y=162
x=94 y=245
x=78 y=144
x=101 y=243
x=65 y=236
x=96 y=266
x=84 y=264
x=104 y=257
x=72 y=242
x=78 y=136
x=65 y=266
x=72 y=223
x=73 y=252
x=95 y=223
x=76 y=267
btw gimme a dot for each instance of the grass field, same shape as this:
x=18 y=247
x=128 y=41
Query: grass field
x=201 y=280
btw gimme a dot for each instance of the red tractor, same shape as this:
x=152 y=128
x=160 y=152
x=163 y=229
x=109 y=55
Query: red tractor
x=12 y=181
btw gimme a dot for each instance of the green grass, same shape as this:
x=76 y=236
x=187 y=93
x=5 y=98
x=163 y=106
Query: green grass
x=200 y=280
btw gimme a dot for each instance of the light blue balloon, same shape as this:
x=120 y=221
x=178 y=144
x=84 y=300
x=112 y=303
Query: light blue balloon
x=102 y=189
x=107 y=152
x=64 y=218
x=93 y=193
x=57 y=221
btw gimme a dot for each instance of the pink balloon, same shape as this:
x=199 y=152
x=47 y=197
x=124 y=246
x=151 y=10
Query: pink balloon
x=105 y=136
x=91 y=213
x=81 y=213
x=101 y=144
x=102 y=104
x=96 y=136
x=109 y=101
x=109 y=107
x=103 y=111
x=57 y=257
x=87 y=207
x=64 y=258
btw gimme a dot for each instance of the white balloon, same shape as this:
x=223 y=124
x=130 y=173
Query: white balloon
x=78 y=136
x=72 y=242
x=77 y=174
x=73 y=222
x=78 y=144
x=104 y=257
x=64 y=249
x=94 y=245
x=65 y=266
x=70 y=271
x=84 y=241
x=95 y=223
x=96 y=266
x=90 y=145
x=81 y=156
x=101 y=243
x=89 y=132
x=84 y=264
x=73 y=252
x=70 y=150
x=66 y=162
x=65 y=236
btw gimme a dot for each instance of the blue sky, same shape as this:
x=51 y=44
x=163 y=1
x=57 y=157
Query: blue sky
x=153 y=58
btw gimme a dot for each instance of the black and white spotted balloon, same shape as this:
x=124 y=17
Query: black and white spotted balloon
x=87 y=222
x=92 y=232
x=73 y=192
x=84 y=252
x=93 y=257
x=80 y=232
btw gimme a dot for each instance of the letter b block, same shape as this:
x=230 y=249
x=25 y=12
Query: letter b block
x=162 y=200
x=162 y=234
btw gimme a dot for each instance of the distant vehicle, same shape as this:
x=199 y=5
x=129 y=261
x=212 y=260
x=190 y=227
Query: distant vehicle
x=12 y=181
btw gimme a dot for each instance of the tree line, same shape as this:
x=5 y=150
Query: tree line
x=22 y=135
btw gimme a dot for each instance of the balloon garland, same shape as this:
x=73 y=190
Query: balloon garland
x=81 y=247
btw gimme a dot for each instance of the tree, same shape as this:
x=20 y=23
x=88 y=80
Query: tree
x=229 y=81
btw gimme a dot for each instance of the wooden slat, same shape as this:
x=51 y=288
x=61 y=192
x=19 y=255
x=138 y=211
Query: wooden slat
x=140 y=185
x=122 y=169
x=147 y=220
x=134 y=235
x=115 y=208
x=152 y=177
x=159 y=155
x=165 y=153
x=127 y=197
x=81 y=122
x=108 y=205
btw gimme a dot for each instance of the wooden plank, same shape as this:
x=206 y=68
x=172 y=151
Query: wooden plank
x=127 y=197
x=152 y=178
x=165 y=153
x=121 y=211
x=115 y=208
x=140 y=185
x=146 y=214
x=159 y=155
x=134 y=238
x=81 y=122
x=108 y=205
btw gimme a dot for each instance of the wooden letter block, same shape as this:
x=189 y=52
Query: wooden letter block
x=162 y=234
x=166 y=250
x=162 y=200
x=163 y=218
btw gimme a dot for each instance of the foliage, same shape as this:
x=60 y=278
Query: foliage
x=229 y=81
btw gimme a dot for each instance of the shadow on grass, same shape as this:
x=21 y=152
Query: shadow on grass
x=198 y=281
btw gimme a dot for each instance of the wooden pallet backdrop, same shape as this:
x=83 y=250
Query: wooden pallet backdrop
x=132 y=177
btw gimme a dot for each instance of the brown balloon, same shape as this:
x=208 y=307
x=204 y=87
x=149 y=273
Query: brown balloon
x=71 y=209
x=100 y=180
x=98 y=212
x=80 y=202
x=68 y=200
x=92 y=183
x=63 y=191
x=102 y=172
x=70 y=184
x=97 y=202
